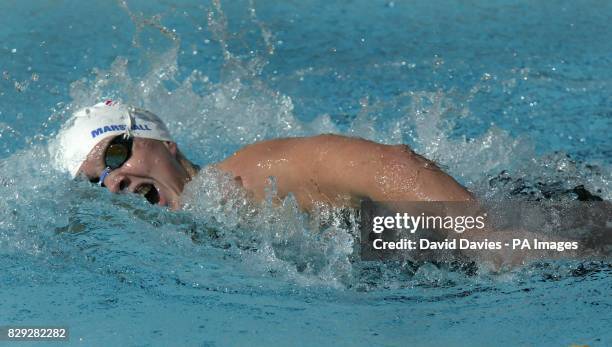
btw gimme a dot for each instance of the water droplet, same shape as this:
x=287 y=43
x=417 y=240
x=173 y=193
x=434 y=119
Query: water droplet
x=363 y=101
x=21 y=86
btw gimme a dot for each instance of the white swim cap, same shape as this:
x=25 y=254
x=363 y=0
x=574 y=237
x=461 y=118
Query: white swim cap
x=90 y=125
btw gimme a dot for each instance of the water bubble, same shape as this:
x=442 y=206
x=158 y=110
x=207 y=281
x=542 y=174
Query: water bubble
x=21 y=86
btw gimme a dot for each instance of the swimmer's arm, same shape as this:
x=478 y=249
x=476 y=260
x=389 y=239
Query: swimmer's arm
x=379 y=172
x=341 y=171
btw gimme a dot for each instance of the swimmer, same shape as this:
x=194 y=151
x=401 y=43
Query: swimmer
x=128 y=149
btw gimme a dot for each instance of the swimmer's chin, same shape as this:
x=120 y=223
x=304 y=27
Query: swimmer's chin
x=173 y=203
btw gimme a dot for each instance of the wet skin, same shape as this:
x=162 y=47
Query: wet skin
x=330 y=169
x=152 y=165
x=341 y=171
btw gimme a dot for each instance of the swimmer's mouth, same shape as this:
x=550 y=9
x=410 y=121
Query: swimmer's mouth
x=149 y=192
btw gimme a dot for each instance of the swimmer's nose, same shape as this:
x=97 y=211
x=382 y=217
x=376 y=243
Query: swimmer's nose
x=117 y=183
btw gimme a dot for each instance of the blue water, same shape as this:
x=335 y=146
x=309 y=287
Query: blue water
x=482 y=87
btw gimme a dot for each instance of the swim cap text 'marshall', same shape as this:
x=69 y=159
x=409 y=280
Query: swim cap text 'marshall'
x=117 y=127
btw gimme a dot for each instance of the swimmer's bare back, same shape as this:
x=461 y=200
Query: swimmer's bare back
x=340 y=171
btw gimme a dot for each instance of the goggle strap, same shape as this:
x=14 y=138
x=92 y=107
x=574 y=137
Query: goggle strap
x=103 y=175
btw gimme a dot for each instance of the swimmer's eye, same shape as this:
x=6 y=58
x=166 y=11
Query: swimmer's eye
x=118 y=152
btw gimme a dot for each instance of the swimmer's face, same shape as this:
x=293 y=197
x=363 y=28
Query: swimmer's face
x=152 y=170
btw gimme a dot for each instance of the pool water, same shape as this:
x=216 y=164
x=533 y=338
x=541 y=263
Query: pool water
x=513 y=98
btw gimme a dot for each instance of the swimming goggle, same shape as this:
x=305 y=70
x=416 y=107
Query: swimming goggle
x=119 y=151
